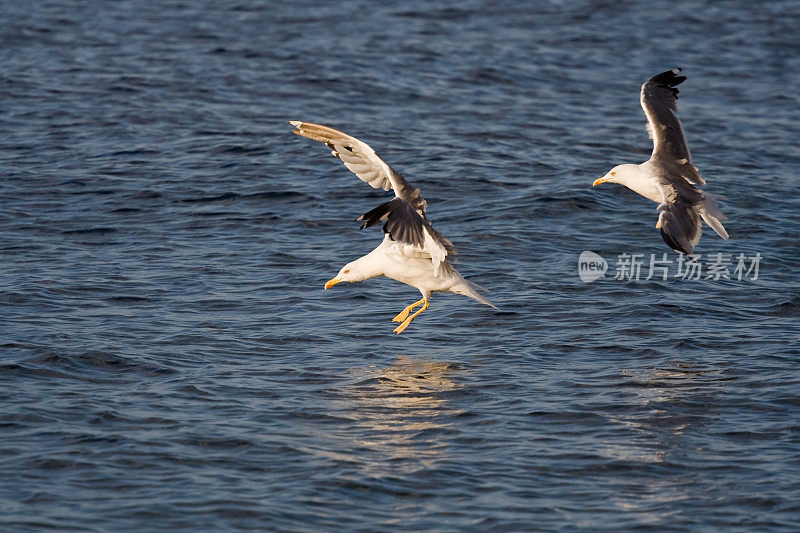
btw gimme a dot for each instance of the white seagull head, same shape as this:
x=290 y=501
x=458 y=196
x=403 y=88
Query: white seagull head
x=358 y=270
x=622 y=174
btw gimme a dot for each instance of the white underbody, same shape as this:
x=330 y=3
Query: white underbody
x=411 y=265
x=406 y=264
x=644 y=182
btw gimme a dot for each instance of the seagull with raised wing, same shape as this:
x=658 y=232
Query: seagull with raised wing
x=411 y=252
x=669 y=177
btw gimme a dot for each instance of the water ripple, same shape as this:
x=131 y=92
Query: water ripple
x=169 y=359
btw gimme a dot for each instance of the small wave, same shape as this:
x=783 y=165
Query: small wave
x=89 y=231
x=127 y=299
x=208 y=199
x=787 y=308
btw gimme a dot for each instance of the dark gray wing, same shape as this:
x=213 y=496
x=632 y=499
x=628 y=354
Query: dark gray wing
x=659 y=99
x=404 y=224
x=679 y=220
x=363 y=162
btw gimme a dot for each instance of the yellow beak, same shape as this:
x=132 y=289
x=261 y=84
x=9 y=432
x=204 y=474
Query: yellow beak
x=332 y=282
x=598 y=181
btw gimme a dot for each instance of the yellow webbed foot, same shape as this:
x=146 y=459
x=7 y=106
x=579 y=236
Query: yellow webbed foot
x=402 y=315
x=399 y=329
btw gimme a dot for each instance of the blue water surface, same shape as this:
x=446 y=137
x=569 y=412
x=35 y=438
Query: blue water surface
x=169 y=360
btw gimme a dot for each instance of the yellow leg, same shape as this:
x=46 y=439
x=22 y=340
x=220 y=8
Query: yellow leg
x=404 y=313
x=399 y=329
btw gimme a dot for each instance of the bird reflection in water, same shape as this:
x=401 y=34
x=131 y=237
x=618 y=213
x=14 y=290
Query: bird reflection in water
x=668 y=403
x=665 y=408
x=401 y=411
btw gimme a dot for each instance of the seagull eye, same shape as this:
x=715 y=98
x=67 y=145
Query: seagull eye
x=347 y=271
x=613 y=173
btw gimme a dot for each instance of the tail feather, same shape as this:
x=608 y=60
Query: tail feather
x=712 y=215
x=467 y=288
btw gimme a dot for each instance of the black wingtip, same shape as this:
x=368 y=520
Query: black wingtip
x=372 y=217
x=669 y=78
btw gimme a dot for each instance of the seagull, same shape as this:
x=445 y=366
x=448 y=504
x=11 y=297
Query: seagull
x=669 y=177
x=411 y=252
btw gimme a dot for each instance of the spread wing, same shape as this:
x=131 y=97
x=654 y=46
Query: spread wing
x=659 y=99
x=404 y=216
x=362 y=160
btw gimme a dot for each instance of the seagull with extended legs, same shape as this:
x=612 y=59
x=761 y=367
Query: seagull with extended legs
x=669 y=177
x=411 y=252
